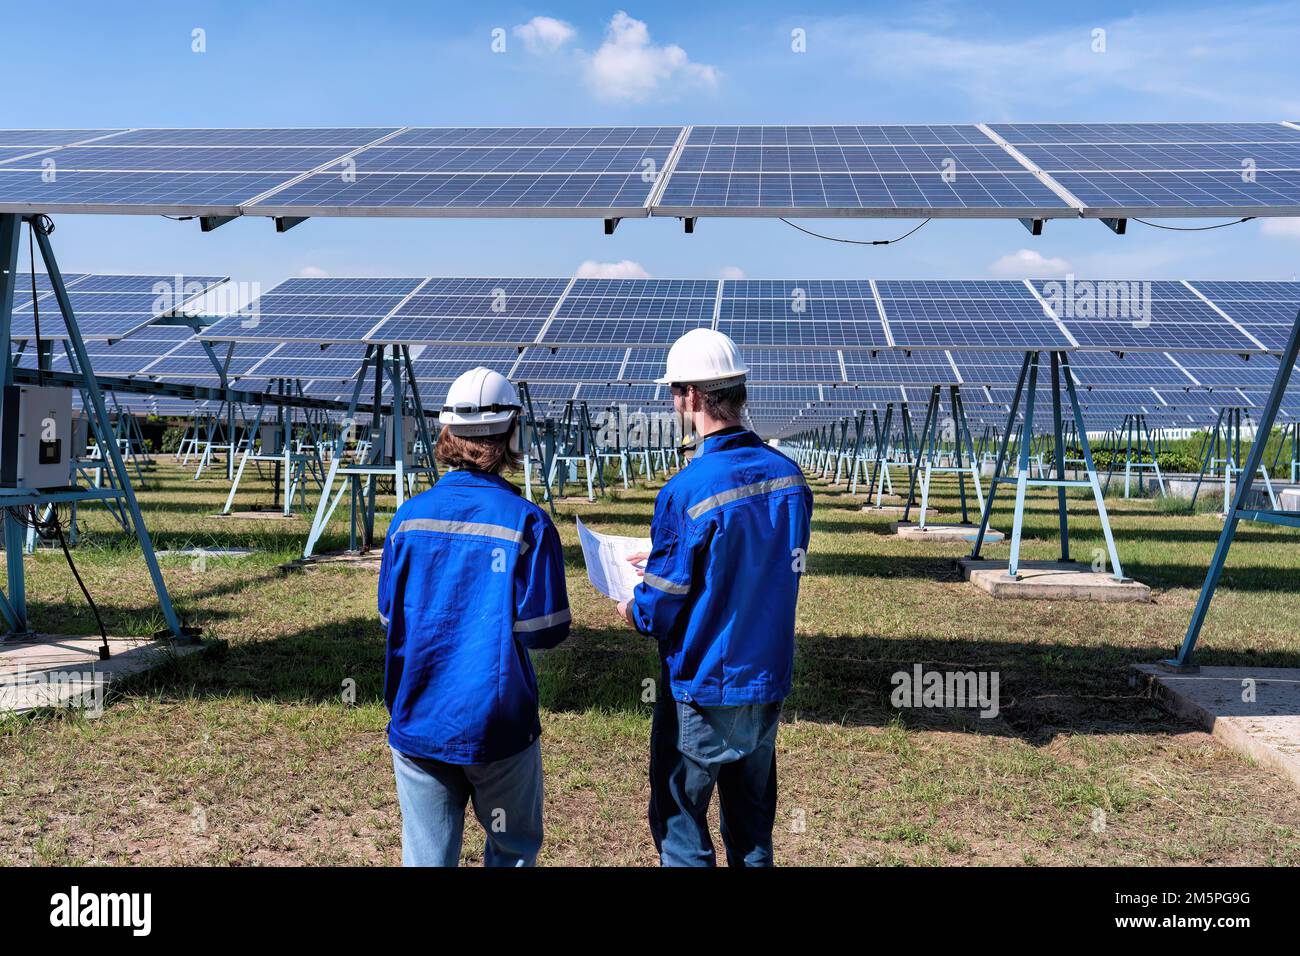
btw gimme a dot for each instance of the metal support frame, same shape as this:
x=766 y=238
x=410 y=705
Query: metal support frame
x=963 y=462
x=358 y=481
x=1133 y=431
x=1184 y=659
x=1028 y=379
x=13 y=604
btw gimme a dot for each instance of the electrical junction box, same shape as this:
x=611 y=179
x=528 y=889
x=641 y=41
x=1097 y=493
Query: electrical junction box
x=410 y=432
x=269 y=433
x=35 y=437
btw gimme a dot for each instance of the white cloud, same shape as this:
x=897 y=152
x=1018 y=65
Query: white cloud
x=626 y=269
x=628 y=66
x=1028 y=264
x=1184 y=64
x=1280 y=228
x=312 y=272
x=544 y=34
x=732 y=272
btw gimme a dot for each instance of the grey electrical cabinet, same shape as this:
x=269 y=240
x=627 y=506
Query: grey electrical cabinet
x=35 y=437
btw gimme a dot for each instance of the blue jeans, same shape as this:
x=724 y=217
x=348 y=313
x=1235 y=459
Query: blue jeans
x=693 y=748
x=507 y=798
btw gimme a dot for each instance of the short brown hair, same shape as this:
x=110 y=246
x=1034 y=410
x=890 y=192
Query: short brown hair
x=490 y=453
x=725 y=403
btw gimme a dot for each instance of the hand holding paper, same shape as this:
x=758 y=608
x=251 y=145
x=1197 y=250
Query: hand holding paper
x=608 y=567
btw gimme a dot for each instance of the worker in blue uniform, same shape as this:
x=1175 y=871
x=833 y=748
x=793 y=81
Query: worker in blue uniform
x=719 y=588
x=472 y=579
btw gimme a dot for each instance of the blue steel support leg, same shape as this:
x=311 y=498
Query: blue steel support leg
x=931 y=414
x=1184 y=659
x=1022 y=474
x=1002 y=457
x=15 y=606
x=1058 y=434
x=1211 y=441
x=1097 y=496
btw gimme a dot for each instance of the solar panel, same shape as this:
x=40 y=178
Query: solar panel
x=972 y=324
x=106 y=306
x=1003 y=170
x=1167 y=168
x=1094 y=369
x=813 y=366
x=570 y=365
x=884 y=368
x=564 y=172
x=1227 y=371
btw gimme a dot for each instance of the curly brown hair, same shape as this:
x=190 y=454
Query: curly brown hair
x=489 y=453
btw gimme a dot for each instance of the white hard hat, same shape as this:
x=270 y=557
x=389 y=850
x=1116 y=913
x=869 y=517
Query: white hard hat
x=480 y=402
x=705 y=358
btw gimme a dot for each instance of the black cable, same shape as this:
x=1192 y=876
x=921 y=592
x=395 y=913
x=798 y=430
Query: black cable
x=852 y=242
x=27 y=516
x=1217 y=225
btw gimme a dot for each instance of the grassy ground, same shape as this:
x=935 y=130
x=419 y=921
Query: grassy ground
x=249 y=755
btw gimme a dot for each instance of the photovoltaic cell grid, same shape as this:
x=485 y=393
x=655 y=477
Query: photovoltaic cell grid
x=798 y=313
x=382 y=171
x=1160 y=168
x=827 y=331
x=107 y=307
x=1004 y=170
x=862 y=170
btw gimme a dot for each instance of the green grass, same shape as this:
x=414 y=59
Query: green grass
x=248 y=754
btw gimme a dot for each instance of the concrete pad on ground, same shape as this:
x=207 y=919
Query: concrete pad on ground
x=207 y=552
x=936 y=531
x=61 y=670
x=369 y=560
x=259 y=515
x=896 y=510
x=1050 y=581
x=1265 y=728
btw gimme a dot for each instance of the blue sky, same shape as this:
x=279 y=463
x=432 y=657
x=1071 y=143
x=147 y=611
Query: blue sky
x=376 y=63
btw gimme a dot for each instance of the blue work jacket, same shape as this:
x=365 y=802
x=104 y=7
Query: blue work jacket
x=730 y=538
x=472 y=577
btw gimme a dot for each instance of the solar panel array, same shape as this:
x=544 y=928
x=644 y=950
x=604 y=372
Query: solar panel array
x=1009 y=170
x=876 y=325
x=107 y=307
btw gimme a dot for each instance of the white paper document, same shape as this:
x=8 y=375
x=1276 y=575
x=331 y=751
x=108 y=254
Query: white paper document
x=611 y=573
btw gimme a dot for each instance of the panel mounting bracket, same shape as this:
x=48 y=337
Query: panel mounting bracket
x=1035 y=226
x=208 y=223
x=285 y=223
x=689 y=223
x=1117 y=226
x=611 y=225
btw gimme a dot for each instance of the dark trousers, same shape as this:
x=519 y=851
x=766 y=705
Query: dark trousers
x=694 y=748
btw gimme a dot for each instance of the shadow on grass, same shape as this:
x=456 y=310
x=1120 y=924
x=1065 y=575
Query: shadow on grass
x=1045 y=689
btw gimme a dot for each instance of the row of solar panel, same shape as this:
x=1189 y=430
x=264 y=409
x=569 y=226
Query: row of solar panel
x=170 y=353
x=607 y=171
x=1243 y=318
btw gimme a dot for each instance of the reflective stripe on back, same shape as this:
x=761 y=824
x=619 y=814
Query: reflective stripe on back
x=543 y=622
x=745 y=491
x=475 y=528
x=663 y=584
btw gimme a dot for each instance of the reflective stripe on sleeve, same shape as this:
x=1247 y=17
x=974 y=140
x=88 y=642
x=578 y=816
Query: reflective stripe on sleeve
x=663 y=584
x=543 y=622
x=476 y=528
x=745 y=491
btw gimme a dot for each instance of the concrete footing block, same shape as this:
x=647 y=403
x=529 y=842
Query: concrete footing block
x=1253 y=710
x=1050 y=581
x=965 y=533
